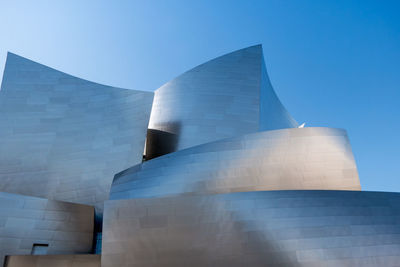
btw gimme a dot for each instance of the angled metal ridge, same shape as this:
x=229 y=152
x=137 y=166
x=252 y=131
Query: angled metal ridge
x=228 y=96
x=12 y=57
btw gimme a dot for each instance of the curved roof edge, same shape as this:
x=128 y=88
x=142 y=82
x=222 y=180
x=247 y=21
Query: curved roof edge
x=257 y=46
x=13 y=56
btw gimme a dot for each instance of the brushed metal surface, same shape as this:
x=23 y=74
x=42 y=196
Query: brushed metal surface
x=227 y=139
x=229 y=179
x=64 y=138
x=299 y=158
x=228 y=96
x=265 y=228
x=66 y=227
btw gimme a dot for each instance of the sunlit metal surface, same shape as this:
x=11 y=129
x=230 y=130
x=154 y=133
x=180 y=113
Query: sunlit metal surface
x=305 y=158
x=223 y=143
x=66 y=228
x=225 y=97
x=265 y=228
x=64 y=138
x=228 y=178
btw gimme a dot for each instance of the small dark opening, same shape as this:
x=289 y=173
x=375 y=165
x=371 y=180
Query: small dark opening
x=39 y=249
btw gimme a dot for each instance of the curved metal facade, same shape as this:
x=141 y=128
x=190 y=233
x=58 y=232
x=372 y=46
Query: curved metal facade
x=266 y=228
x=225 y=97
x=218 y=200
x=66 y=228
x=64 y=138
x=287 y=159
x=228 y=178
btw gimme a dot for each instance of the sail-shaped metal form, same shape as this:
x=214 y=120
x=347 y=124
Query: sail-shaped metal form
x=228 y=96
x=227 y=178
x=240 y=184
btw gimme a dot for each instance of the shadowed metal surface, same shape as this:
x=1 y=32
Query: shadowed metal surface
x=66 y=227
x=64 y=138
x=265 y=228
x=219 y=142
x=300 y=158
x=225 y=97
x=53 y=261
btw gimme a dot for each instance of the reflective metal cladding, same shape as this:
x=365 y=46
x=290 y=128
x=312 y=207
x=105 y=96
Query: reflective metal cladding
x=227 y=96
x=60 y=227
x=226 y=148
x=64 y=138
x=287 y=159
x=265 y=228
x=224 y=175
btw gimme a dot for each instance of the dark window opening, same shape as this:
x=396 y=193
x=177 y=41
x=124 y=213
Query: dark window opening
x=39 y=249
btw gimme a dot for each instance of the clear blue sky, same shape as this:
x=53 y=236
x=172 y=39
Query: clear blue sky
x=332 y=63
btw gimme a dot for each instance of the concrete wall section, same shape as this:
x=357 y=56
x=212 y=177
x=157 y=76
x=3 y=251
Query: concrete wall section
x=53 y=261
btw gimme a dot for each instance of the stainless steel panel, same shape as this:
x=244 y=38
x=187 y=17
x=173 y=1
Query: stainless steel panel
x=220 y=149
x=221 y=127
x=64 y=138
x=300 y=158
x=66 y=227
x=228 y=96
x=265 y=228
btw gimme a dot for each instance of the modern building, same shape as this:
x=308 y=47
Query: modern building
x=64 y=138
x=213 y=172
